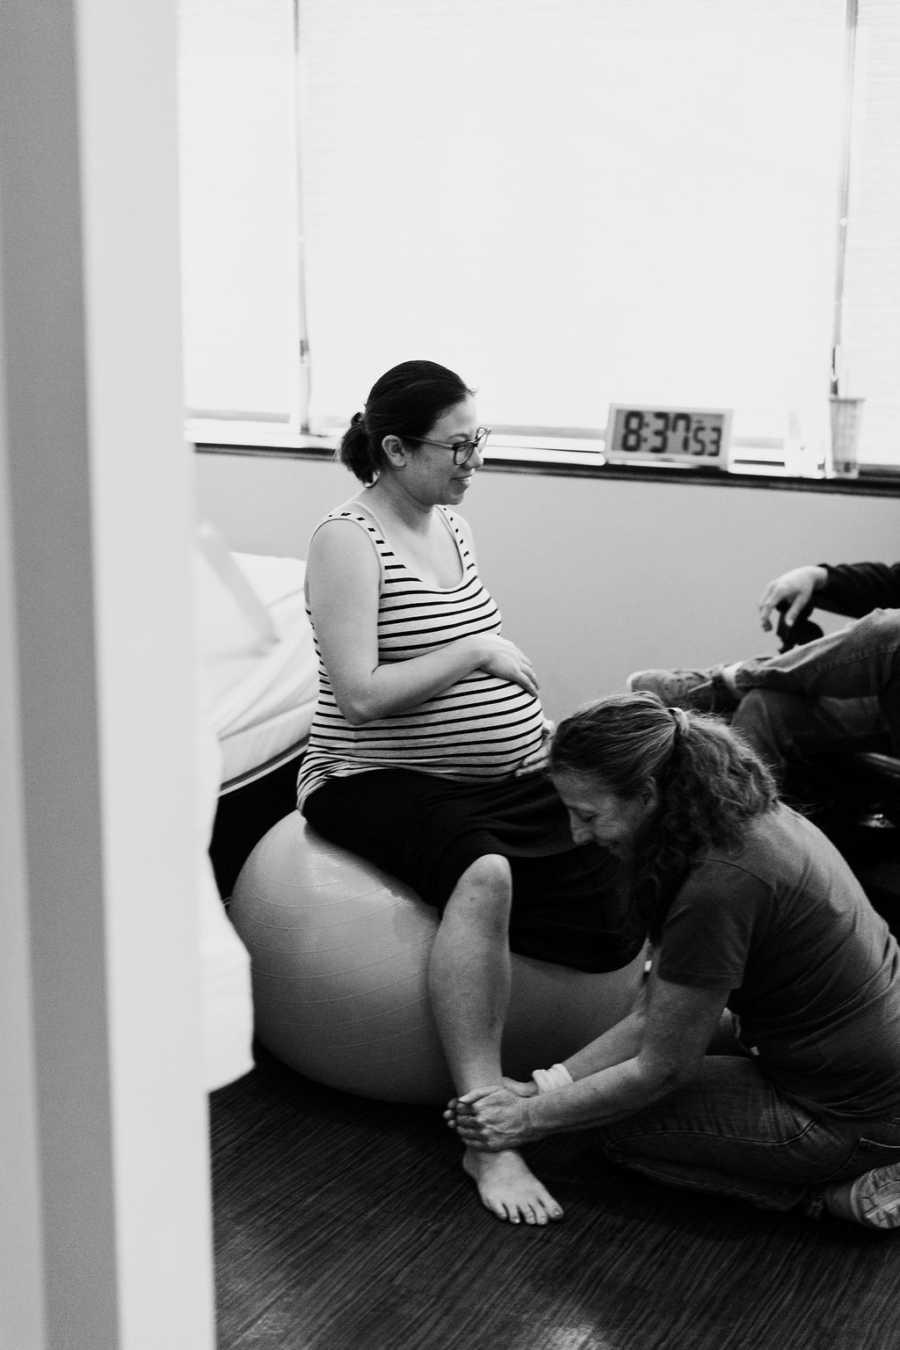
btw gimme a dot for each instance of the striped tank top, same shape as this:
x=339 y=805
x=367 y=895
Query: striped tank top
x=482 y=727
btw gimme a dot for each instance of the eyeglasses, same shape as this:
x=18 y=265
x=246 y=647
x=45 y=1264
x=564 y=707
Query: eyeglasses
x=462 y=450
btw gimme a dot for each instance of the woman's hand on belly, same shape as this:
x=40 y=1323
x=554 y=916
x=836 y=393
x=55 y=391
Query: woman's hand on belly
x=537 y=759
x=506 y=661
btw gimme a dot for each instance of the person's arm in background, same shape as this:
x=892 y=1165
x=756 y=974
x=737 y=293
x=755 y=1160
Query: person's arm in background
x=853 y=589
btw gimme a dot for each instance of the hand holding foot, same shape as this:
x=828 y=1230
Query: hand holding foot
x=492 y=1118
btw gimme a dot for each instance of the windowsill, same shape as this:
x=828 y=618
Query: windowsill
x=277 y=442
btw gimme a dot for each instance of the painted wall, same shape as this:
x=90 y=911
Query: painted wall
x=595 y=577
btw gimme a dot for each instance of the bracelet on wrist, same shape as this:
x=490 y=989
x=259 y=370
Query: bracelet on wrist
x=548 y=1080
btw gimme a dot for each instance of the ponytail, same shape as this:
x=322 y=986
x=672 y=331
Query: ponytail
x=710 y=782
x=712 y=786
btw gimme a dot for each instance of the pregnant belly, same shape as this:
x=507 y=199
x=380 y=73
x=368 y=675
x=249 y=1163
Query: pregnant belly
x=482 y=727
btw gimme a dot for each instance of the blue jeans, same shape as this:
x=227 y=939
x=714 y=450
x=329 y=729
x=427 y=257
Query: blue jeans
x=840 y=692
x=732 y=1134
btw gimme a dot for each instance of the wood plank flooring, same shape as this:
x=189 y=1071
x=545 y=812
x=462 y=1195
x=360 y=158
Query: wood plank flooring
x=344 y=1224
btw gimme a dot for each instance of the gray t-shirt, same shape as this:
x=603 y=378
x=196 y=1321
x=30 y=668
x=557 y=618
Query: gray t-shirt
x=813 y=972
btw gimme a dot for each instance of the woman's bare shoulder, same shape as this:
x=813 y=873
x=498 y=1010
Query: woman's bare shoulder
x=344 y=537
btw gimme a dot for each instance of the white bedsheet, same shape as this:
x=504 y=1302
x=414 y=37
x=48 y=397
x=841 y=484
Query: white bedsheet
x=257 y=682
x=261 y=693
x=227 y=1003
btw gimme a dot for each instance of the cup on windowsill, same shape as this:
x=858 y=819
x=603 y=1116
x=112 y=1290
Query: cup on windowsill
x=846 y=416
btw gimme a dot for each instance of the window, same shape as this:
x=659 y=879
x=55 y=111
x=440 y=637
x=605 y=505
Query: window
x=871 y=291
x=239 y=217
x=572 y=204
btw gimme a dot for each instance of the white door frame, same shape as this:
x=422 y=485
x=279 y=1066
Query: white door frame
x=104 y=1203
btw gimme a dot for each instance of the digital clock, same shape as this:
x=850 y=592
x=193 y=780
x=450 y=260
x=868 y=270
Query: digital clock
x=652 y=433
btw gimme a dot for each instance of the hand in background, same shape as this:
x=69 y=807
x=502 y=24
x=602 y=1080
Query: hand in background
x=795 y=589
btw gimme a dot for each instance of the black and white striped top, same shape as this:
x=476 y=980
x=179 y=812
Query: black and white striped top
x=482 y=727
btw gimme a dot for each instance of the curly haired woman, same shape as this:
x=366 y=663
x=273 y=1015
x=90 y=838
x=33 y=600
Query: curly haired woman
x=764 y=1060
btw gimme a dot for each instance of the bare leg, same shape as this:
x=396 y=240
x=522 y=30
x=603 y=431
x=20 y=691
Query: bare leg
x=469 y=984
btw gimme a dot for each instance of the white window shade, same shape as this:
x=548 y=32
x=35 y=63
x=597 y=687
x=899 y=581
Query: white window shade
x=870 y=367
x=574 y=203
x=239 y=221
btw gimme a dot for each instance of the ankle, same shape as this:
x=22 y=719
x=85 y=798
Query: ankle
x=837 y=1200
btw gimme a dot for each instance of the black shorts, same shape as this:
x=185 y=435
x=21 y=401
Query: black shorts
x=569 y=904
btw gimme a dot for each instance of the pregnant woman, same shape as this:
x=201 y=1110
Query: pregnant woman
x=427 y=745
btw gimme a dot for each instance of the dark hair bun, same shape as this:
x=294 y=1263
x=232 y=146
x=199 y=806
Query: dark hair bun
x=406 y=402
x=356 y=450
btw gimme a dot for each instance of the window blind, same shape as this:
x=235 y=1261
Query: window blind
x=871 y=305
x=239 y=220
x=574 y=202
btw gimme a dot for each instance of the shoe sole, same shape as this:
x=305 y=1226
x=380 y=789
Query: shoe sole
x=875 y=1197
x=692 y=698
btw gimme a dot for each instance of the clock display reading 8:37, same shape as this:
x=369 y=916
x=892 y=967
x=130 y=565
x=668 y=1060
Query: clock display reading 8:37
x=676 y=435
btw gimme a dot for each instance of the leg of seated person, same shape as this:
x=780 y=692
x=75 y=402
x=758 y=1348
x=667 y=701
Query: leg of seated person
x=860 y=661
x=469 y=976
x=787 y=729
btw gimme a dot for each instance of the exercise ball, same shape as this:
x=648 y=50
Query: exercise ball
x=339 y=954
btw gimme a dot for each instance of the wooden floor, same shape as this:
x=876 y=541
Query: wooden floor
x=343 y=1224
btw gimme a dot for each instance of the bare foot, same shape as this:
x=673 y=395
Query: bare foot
x=508 y=1188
